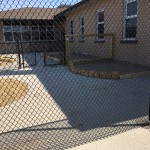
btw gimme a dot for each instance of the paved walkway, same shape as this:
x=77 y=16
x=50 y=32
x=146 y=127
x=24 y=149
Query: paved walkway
x=137 y=139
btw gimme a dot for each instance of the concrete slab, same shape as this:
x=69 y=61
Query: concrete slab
x=63 y=109
x=136 y=139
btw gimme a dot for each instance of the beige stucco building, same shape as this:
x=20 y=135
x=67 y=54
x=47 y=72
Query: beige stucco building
x=127 y=20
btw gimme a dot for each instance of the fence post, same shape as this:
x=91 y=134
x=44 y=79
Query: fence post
x=67 y=50
x=18 y=50
x=44 y=53
x=149 y=112
x=22 y=52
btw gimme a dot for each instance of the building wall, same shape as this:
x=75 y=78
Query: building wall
x=114 y=17
x=38 y=46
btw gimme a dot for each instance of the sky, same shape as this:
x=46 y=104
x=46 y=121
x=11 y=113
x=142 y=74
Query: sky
x=12 y=4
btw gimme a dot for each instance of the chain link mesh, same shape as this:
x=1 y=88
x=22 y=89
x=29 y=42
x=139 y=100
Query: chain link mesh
x=71 y=71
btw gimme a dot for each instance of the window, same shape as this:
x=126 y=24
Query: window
x=82 y=28
x=8 y=33
x=71 y=29
x=13 y=33
x=16 y=33
x=35 y=33
x=50 y=33
x=62 y=34
x=100 y=24
x=26 y=34
x=130 y=27
x=42 y=30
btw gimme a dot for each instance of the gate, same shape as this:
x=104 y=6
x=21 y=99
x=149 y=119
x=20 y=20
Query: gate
x=26 y=55
x=101 y=85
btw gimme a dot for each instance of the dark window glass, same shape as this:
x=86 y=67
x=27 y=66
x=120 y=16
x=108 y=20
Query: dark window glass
x=71 y=29
x=8 y=37
x=35 y=36
x=82 y=30
x=62 y=34
x=26 y=36
x=7 y=23
x=7 y=28
x=131 y=25
x=34 y=28
x=24 y=23
x=100 y=30
x=50 y=35
x=16 y=23
x=42 y=33
x=16 y=28
x=49 y=28
x=43 y=36
x=71 y=24
x=82 y=21
x=17 y=36
x=132 y=8
x=25 y=29
x=71 y=32
x=101 y=16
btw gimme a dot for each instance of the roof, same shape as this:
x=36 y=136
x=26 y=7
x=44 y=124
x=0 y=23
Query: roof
x=73 y=7
x=31 y=13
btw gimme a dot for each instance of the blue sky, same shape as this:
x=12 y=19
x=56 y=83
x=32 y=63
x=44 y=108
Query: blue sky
x=11 y=4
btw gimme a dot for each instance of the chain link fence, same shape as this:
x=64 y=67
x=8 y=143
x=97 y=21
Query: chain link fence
x=72 y=72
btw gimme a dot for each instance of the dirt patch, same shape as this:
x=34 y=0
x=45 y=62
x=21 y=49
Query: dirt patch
x=2 y=63
x=6 y=60
x=11 y=90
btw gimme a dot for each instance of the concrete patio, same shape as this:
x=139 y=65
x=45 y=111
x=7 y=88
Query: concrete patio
x=63 y=110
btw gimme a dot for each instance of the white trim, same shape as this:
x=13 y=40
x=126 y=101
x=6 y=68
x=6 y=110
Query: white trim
x=128 y=17
x=97 y=23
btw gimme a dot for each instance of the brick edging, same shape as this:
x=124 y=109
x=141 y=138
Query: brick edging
x=105 y=75
x=91 y=73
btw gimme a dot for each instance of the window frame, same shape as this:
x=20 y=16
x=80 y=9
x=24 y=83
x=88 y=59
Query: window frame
x=18 y=32
x=82 y=26
x=129 y=17
x=30 y=32
x=6 y=32
x=52 y=30
x=97 y=23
